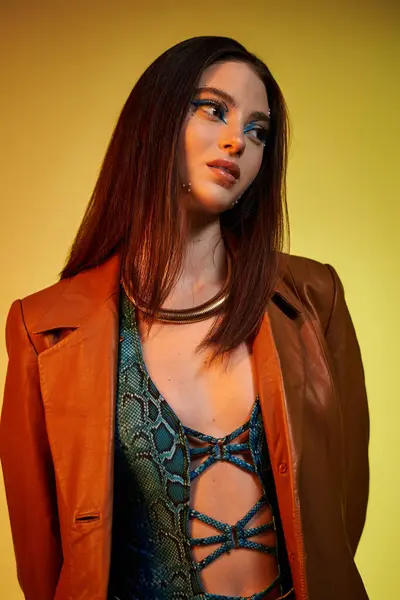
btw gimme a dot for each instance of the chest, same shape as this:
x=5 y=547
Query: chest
x=214 y=397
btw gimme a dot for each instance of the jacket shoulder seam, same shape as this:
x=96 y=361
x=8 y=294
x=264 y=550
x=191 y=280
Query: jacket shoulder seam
x=28 y=335
x=334 y=298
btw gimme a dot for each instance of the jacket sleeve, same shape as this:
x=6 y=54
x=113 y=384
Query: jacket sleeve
x=27 y=467
x=345 y=352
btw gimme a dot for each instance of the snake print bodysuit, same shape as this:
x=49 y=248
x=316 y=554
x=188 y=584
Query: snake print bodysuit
x=151 y=548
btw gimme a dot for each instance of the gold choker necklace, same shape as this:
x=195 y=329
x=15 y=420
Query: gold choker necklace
x=188 y=315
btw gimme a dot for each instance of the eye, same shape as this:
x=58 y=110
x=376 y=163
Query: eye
x=208 y=106
x=218 y=110
x=260 y=133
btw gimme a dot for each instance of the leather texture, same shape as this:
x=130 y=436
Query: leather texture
x=58 y=421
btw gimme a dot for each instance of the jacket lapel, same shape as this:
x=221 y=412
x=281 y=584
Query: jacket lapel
x=279 y=368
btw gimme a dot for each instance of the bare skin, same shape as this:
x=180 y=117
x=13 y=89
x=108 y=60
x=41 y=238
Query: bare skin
x=214 y=399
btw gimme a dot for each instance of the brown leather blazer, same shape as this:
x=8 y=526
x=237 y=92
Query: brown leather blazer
x=57 y=429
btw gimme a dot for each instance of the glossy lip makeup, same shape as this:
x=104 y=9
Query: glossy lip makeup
x=225 y=178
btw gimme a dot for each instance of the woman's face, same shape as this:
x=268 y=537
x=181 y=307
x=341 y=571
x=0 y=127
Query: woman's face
x=228 y=120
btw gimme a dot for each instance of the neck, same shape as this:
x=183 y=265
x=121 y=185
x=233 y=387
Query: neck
x=204 y=268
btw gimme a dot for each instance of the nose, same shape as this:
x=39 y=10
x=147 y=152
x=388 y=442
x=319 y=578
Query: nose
x=232 y=142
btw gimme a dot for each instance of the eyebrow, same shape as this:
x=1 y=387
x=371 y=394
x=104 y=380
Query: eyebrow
x=256 y=115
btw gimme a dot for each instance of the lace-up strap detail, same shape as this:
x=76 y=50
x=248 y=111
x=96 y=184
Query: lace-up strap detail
x=219 y=449
x=232 y=536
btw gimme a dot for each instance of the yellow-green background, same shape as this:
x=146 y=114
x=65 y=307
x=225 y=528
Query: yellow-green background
x=68 y=66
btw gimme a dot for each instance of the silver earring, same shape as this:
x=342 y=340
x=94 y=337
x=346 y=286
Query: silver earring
x=236 y=201
x=189 y=189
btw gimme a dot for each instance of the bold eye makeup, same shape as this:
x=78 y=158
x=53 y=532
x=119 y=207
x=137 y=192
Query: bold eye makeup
x=220 y=107
x=217 y=110
x=261 y=132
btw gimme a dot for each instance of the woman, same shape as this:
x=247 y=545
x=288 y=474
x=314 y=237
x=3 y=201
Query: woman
x=185 y=412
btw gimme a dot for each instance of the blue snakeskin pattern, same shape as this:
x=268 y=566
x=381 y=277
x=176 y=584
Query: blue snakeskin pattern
x=151 y=549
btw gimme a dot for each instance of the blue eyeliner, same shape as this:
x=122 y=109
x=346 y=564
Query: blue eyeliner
x=223 y=109
x=212 y=103
x=251 y=127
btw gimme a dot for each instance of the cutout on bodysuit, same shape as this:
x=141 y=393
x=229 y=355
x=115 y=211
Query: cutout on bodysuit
x=205 y=451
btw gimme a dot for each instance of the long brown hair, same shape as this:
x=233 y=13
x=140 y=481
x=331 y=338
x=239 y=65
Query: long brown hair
x=134 y=207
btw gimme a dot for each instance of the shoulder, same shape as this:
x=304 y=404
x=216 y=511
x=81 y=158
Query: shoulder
x=70 y=301
x=46 y=296
x=314 y=285
x=302 y=271
x=36 y=305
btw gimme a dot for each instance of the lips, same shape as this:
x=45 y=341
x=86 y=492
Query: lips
x=226 y=165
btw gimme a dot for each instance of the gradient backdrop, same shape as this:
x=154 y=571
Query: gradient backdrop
x=67 y=68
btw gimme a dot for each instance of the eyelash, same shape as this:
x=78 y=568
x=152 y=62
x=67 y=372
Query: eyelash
x=223 y=109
